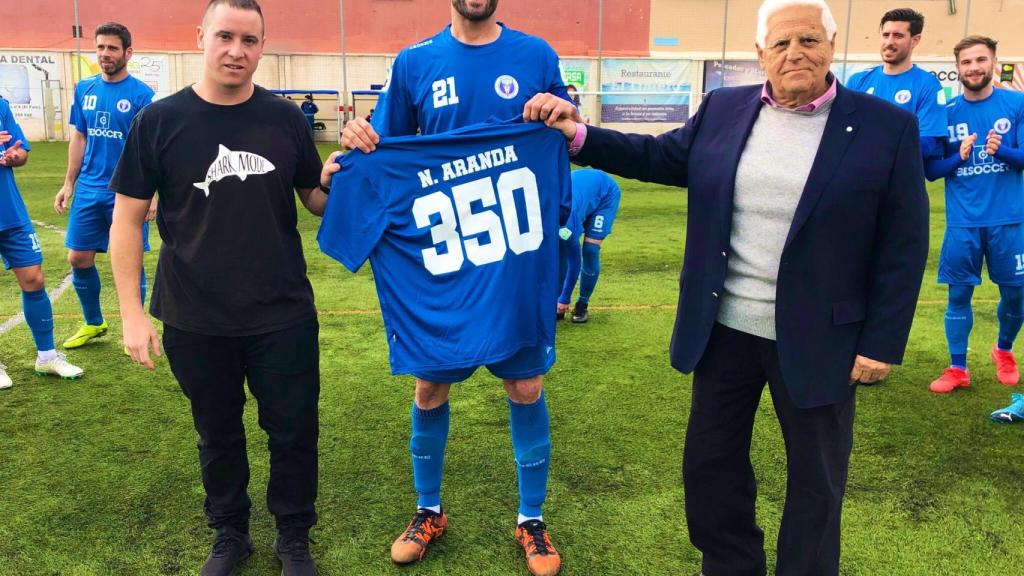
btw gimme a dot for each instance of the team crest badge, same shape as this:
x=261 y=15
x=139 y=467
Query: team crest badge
x=903 y=96
x=506 y=86
x=123 y=105
x=1002 y=125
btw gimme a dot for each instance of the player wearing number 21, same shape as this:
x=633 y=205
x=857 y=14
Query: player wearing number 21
x=483 y=229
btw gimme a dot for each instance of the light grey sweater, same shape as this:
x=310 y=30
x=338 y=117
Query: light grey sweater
x=769 y=182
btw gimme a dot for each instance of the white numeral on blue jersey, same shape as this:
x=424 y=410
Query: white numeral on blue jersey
x=958 y=132
x=444 y=92
x=89 y=102
x=475 y=223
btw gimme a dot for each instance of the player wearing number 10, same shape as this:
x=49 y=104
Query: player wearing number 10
x=471 y=71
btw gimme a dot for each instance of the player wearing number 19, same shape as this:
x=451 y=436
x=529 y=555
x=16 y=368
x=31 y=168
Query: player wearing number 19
x=473 y=70
x=984 y=158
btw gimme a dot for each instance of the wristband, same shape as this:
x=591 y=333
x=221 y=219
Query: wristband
x=324 y=189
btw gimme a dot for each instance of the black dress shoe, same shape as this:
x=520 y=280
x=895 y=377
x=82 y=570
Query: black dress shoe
x=230 y=548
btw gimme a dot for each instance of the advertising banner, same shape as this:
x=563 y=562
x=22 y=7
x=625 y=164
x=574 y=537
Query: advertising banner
x=649 y=90
x=21 y=80
x=1011 y=76
x=576 y=72
x=153 y=69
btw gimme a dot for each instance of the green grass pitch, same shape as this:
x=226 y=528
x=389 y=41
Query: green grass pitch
x=100 y=476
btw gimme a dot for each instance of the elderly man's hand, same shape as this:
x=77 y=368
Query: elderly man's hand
x=358 y=133
x=967 y=146
x=555 y=112
x=868 y=371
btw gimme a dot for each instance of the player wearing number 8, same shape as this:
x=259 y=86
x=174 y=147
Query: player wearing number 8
x=471 y=71
x=984 y=210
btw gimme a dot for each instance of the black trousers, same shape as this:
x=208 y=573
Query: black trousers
x=283 y=372
x=719 y=478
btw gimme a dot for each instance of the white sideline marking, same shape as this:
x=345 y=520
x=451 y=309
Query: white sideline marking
x=54 y=294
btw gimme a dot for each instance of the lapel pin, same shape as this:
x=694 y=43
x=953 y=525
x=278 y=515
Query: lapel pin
x=849 y=128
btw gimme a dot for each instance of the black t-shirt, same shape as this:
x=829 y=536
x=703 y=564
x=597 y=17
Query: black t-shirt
x=231 y=262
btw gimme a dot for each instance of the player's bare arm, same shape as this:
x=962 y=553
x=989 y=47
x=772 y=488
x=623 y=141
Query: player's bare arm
x=126 y=262
x=76 y=153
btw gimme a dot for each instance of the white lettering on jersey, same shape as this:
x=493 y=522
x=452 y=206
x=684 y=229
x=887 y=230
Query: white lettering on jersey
x=478 y=236
x=104 y=131
x=228 y=163
x=444 y=92
x=476 y=163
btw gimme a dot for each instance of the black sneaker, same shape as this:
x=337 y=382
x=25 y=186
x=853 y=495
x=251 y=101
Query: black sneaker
x=292 y=549
x=579 y=313
x=230 y=548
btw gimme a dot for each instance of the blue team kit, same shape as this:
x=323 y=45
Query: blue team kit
x=19 y=245
x=461 y=230
x=985 y=197
x=916 y=91
x=104 y=112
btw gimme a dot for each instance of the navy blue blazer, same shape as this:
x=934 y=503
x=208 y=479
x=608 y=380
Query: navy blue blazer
x=854 y=258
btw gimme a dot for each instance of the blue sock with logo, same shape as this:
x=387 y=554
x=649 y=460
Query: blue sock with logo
x=39 y=317
x=87 y=285
x=959 y=321
x=142 y=287
x=531 y=442
x=429 y=437
x=591 y=270
x=1011 y=315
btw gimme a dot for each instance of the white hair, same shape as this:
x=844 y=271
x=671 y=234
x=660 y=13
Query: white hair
x=770 y=7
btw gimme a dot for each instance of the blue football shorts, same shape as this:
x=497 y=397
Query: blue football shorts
x=1001 y=247
x=525 y=363
x=89 y=223
x=598 y=224
x=19 y=247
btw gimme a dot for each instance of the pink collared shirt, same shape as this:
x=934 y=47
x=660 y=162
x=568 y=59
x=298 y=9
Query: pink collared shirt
x=766 y=97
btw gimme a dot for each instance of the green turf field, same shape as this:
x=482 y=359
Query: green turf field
x=100 y=476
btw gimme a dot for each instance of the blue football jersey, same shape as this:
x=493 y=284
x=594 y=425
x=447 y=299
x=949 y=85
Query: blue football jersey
x=104 y=111
x=441 y=84
x=591 y=189
x=12 y=207
x=916 y=91
x=462 y=232
x=985 y=191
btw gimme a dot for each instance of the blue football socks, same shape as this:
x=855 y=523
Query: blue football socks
x=429 y=437
x=87 y=285
x=531 y=442
x=959 y=321
x=39 y=317
x=591 y=271
x=1011 y=315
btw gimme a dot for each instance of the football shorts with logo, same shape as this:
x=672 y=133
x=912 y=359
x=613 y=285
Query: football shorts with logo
x=19 y=247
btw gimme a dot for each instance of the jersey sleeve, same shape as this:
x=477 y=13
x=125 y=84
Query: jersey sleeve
x=555 y=84
x=856 y=81
x=77 y=119
x=307 y=172
x=10 y=124
x=931 y=109
x=138 y=171
x=395 y=114
x=355 y=218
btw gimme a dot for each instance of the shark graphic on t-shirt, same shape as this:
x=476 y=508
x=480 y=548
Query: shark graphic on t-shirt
x=229 y=163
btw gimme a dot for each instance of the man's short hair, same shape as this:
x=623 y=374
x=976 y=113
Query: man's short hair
x=239 y=4
x=570 y=87
x=770 y=7
x=115 y=29
x=974 y=41
x=912 y=17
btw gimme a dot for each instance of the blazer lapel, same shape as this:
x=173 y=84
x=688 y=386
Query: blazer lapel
x=840 y=129
x=739 y=130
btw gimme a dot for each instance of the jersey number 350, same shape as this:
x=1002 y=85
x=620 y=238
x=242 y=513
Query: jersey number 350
x=467 y=244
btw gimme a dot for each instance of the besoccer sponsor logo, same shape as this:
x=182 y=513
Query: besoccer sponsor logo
x=123 y=105
x=506 y=86
x=903 y=96
x=1002 y=125
x=103 y=130
x=981 y=163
